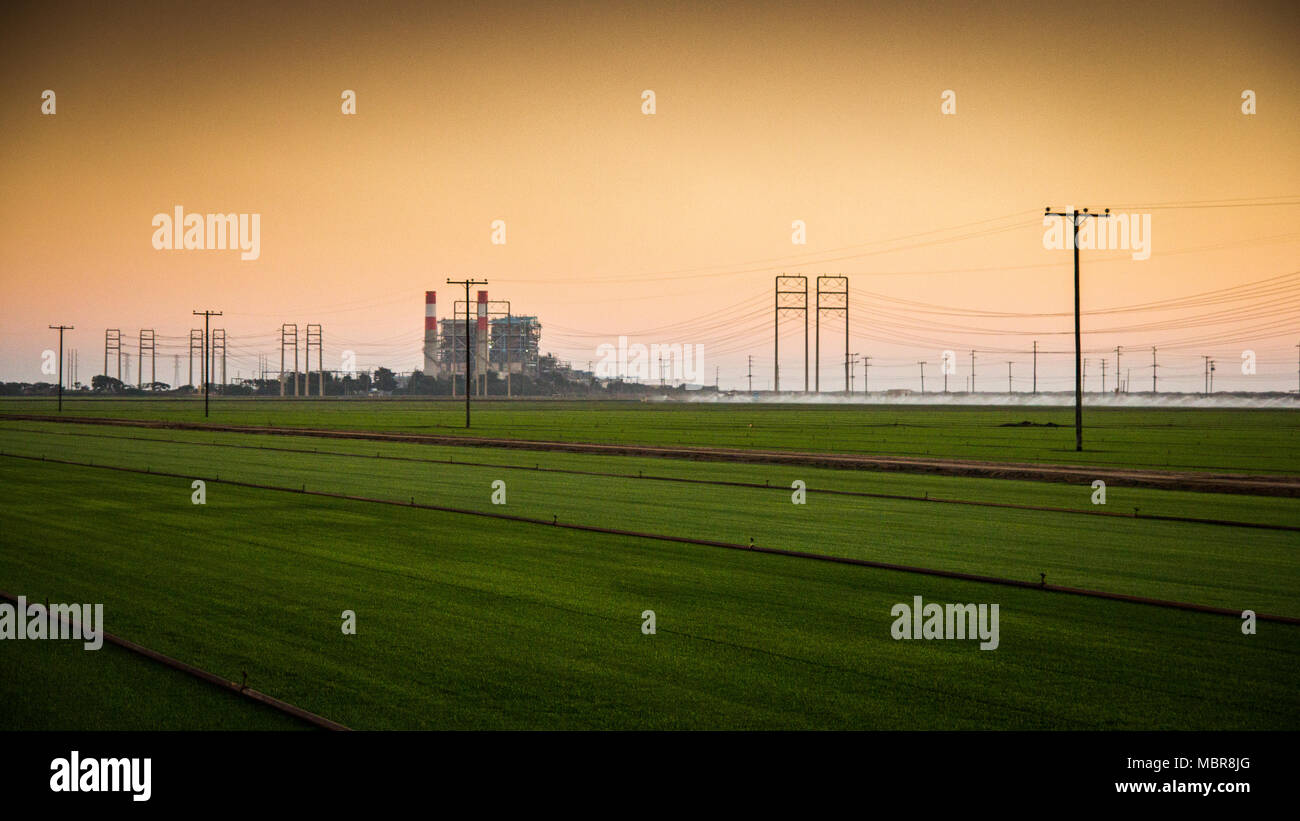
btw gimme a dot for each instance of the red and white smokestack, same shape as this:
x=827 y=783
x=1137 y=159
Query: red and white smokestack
x=430 y=332
x=481 y=335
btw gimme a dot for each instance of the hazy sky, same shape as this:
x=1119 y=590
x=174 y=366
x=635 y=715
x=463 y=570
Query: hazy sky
x=669 y=227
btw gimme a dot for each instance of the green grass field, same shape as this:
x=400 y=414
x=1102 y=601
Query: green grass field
x=471 y=622
x=1255 y=441
x=1200 y=563
x=59 y=686
x=466 y=625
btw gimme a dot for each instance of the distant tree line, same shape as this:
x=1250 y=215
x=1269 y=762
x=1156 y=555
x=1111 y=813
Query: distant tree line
x=551 y=379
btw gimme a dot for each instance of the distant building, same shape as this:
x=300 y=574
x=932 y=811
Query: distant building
x=451 y=345
x=514 y=344
x=498 y=343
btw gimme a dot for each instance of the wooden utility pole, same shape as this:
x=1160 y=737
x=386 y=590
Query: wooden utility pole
x=207 y=349
x=469 y=365
x=1035 y=387
x=61 y=329
x=1075 y=217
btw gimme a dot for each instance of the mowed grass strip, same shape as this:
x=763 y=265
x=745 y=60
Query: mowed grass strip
x=1196 y=563
x=58 y=685
x=471 y=624
x=1244 y=440
x=44 y=436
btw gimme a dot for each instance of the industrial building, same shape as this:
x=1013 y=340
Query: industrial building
x=499 y=341
x=513 y=344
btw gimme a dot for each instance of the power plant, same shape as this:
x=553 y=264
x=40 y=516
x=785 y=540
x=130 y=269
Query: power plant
x=499 y=341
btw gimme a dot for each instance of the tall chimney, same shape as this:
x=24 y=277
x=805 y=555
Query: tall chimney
x=481 y=363
x=431 y=364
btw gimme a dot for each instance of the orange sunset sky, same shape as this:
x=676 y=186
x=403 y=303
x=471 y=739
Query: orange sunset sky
x=668 y=227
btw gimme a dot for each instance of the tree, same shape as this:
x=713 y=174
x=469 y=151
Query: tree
x=106 y=384
x=384 y=380
x=421 y=385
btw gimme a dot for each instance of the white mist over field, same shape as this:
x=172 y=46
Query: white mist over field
x=1026 y=400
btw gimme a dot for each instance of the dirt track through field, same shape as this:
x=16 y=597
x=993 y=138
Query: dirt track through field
x=1288 y=486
